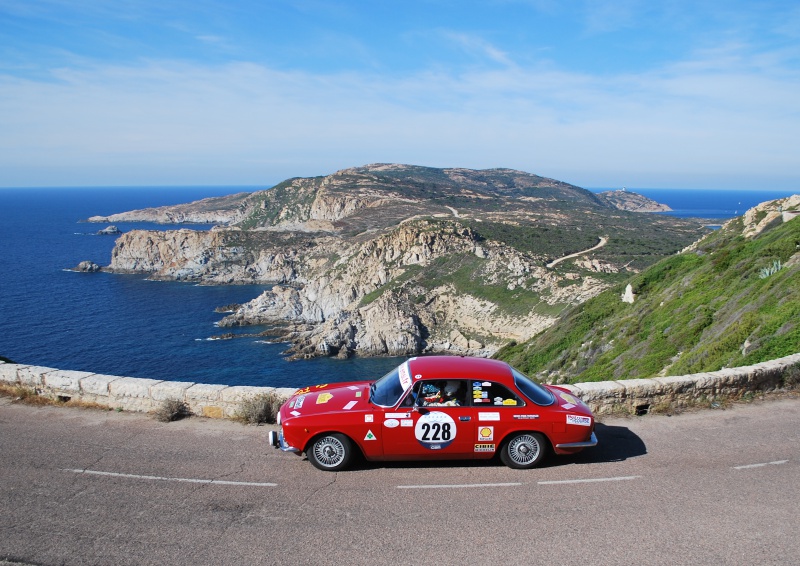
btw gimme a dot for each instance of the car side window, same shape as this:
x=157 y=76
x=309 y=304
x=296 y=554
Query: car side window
x=441 y=393
x=491 y=393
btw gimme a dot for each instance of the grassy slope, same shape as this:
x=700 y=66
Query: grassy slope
x=693 y=312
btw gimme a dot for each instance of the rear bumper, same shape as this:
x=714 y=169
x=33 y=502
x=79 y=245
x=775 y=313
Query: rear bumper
x=276 y=440
x=588 y=444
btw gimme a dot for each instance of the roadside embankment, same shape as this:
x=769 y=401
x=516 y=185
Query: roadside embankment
x=634 y=396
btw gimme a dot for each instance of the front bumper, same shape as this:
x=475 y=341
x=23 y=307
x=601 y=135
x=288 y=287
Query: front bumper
x=588 y=444
x=276 y=440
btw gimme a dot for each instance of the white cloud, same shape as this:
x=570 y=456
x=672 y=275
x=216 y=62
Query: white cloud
x=721 y=113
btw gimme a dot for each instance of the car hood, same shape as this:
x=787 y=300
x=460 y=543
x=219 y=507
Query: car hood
x=326 y=398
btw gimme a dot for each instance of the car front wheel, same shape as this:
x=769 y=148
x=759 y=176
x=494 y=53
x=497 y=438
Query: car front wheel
x=524 y=450
x=330 y=452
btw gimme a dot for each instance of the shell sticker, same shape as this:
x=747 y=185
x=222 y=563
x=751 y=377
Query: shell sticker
x=485 y=434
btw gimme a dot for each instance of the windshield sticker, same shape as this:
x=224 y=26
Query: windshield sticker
x=391 y=423
x=350 y=405
x=367 y=418
x=484 y=448
x=579 y=420
x=509 y=401
x=323 y=398
x=486 y=434
x=488 y=416
x=435 y=430
x=370 y=436
x=405 y=376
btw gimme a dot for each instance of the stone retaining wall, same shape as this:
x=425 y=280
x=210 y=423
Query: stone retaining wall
x=633 y=396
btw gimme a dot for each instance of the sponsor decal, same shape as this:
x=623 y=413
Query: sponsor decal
x=579 y=420
x=398 y=415
x=570 y=400
x=484 y=448
x=526 y=416
x=352 y=387
x=298 y=404
x=368 y=418
x=308 y=389
x=418 y=376
x=370 y=436
x=391 y=423
x=494 y=416
x=323 y=398
x=295 y=413
x=358 y=393
x=407 y=422
x=509 y=402
x=350 y=405
x=486 y=433
x=435 y=430
x=405 y=376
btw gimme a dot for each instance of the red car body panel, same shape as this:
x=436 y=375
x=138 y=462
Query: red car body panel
x=492 y=408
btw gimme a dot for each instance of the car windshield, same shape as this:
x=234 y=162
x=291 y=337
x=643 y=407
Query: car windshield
x=387 y=391
x=532 y=390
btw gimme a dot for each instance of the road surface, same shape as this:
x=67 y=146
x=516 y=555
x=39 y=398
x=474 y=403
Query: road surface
x=93 y=487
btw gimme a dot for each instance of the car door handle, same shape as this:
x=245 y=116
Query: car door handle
x=464 y=419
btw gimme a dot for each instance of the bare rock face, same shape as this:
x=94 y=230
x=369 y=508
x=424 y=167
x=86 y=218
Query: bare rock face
x=633 y=202
x=88 y=267
x=386 y=259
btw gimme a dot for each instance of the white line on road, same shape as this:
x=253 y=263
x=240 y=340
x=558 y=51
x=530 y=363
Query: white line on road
x=450 y=486
x=748 y=466
x=159 y=478
x=591 y=480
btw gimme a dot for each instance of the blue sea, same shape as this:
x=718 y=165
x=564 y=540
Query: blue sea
x=126 y=325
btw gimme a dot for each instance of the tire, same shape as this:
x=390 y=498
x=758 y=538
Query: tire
x=330 y=452
x=524 y=450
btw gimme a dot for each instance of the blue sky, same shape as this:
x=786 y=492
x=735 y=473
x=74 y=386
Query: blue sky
x=636 y=93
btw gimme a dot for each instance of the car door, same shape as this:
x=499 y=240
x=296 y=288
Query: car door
x=430 y=429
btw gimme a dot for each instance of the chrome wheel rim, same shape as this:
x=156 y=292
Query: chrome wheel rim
x=524 y=449
x=329 y=451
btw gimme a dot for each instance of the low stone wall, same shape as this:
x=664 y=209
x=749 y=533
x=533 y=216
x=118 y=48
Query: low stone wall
x=633 y=396
x=639 y=396
x=131 y=393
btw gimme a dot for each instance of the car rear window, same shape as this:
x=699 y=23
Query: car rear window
x=532 y=390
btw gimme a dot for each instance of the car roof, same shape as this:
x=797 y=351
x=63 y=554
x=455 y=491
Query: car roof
x=459 y=367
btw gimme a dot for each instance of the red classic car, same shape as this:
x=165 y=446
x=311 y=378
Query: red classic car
x=435 y=407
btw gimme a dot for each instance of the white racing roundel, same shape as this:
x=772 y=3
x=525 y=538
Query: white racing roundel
x=435 y=430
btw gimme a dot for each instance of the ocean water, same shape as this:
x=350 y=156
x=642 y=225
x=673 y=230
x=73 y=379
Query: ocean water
x=123 y=324
x=126 y=325
x=718 y=205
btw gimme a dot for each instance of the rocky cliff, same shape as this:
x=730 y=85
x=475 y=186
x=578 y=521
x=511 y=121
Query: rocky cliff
x=394 y=259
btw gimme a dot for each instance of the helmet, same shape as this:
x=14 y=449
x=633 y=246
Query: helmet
x=451 y=387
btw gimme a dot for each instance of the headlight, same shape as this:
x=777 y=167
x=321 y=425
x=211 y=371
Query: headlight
x=278 y=418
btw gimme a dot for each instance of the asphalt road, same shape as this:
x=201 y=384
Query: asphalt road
x=91 y=487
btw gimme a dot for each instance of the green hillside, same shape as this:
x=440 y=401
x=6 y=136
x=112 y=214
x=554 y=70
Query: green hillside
x=733 y=300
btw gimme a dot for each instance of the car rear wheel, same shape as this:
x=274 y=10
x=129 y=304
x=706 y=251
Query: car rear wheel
x=524 y=450
x=330 y=452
